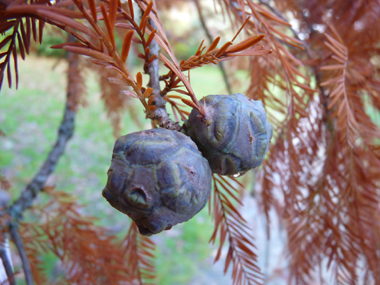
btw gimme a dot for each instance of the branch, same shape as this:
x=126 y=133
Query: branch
x=160 y=114
x=7 y=262
x=220 y=64
x=153 y=68
x=13 y=230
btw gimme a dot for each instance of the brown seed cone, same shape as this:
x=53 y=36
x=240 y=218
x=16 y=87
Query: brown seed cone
x=158 y=178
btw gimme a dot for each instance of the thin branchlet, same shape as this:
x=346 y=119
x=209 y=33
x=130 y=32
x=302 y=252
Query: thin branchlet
x=15 y=235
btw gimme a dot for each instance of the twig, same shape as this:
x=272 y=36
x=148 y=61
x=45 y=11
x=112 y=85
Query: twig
x=154 y=76
x=220 y=64
x=160 y=114
x=13 y=230
x=7 y=263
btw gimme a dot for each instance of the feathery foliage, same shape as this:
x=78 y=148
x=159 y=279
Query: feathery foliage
x=315 y=66
x=88 y=253
x=231 y=226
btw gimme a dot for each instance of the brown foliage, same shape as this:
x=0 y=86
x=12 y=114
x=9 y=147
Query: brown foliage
x=139 y=250
x=104 y=53
x=4 y=183
x=114 y=100
x=88 y=254
x=231 y=226
x=328 y=175
x=322 y=171
x=76 y=82
x=326 y=157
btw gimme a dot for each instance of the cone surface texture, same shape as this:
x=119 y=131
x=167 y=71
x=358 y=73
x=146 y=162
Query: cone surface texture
x=158 y=178
x=234 y=137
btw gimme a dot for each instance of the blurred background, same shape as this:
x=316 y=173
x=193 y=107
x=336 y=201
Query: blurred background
x=30 y=116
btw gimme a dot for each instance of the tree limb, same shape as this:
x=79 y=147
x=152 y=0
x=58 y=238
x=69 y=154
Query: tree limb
x=208 y=35
x=13 y=230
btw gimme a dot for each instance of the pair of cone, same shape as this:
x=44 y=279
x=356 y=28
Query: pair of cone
x=160 y=178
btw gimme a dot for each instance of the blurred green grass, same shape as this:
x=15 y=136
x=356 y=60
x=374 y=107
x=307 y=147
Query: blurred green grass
x=30 y=117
